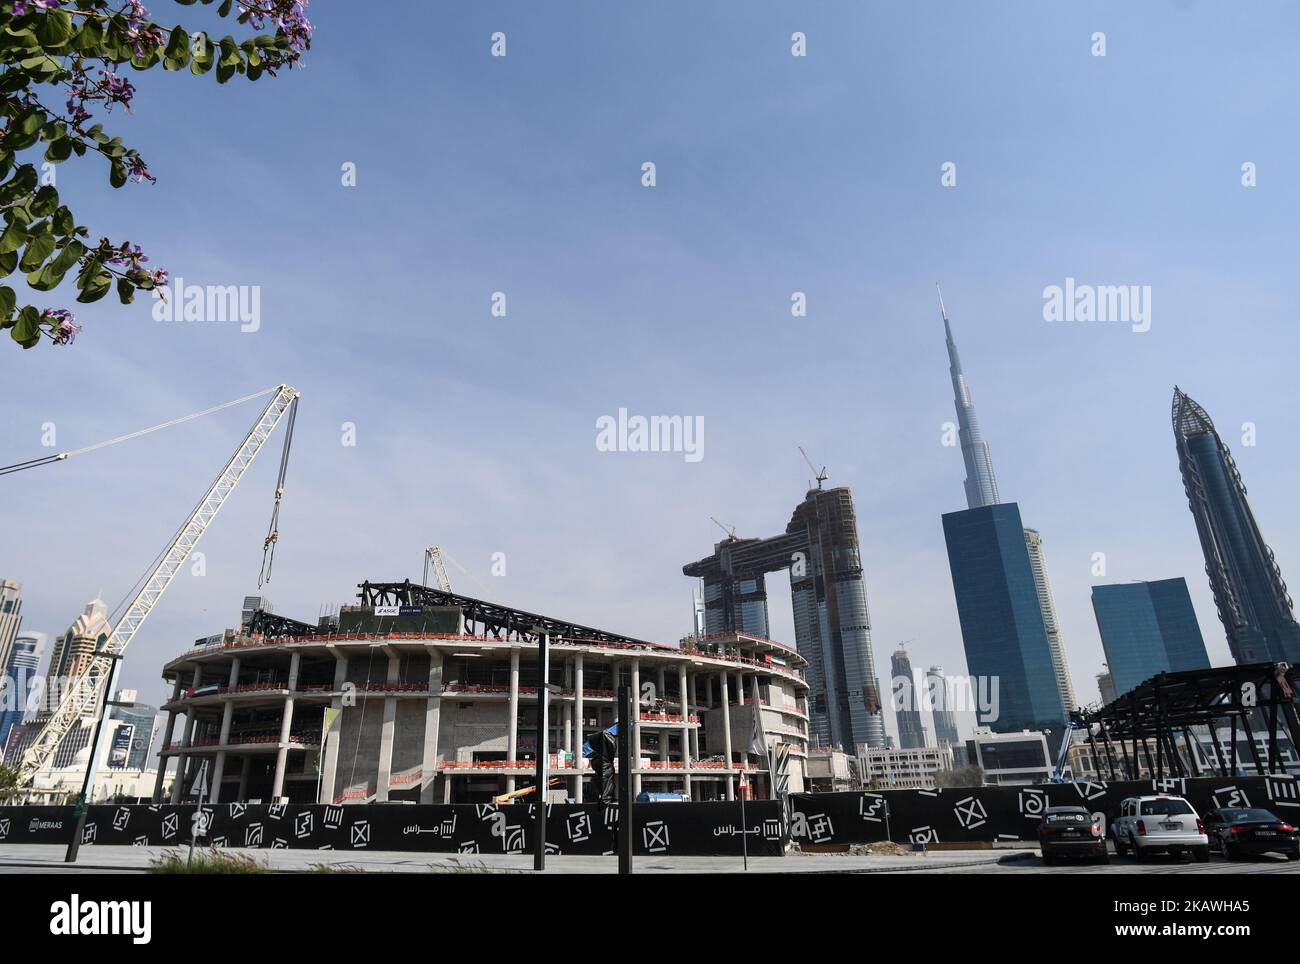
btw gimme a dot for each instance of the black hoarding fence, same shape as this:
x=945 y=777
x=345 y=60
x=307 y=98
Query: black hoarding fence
x=675 y=829
x=982 y=814
x=950 y=815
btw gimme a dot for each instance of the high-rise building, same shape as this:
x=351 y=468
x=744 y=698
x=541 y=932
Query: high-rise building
x=1106 y=687
x=1148 y=628
x=1047 y=603
x=11 y=617
x=1009 y=627
x=941 y=708
x=907 y=703
x=1001 y=621
x=74 y=649
x=981 y=483
x=832 y=624
x=1249 y=593
x=23 y=666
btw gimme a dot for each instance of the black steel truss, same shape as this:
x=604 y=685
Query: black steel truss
x=264 y=623
x=1168 y=706
x=483 y=618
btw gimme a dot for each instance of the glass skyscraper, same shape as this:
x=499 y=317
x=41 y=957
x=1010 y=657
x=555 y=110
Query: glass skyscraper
x=907 y=702
x=1249 y=593
x=1001 y=622
x=1004 y=594
x=832 y=625
x=1147 y=628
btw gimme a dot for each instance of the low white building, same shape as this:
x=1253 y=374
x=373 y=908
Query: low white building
x=912 y=769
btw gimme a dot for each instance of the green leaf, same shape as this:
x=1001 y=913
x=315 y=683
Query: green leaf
x=117 y=173
x=38 y=249
x=27 y=329
x=14 y=237
x=125 y=291
x=46 y=201
x=177 y=54
x=56 y=28
x=8 y=301
x=8 y=261
x=95 y=285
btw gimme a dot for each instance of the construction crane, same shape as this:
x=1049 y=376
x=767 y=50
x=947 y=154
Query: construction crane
x=434 y=555
x=79 y=700
x=821 y=476
x=729 y=530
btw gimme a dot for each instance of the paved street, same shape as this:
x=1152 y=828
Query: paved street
x=42 y=858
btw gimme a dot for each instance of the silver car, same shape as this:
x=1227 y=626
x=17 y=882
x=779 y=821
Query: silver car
x=1164 y=823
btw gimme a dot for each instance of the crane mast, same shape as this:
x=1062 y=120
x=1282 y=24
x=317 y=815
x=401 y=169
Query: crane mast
x=79 y=699
x=434 y=555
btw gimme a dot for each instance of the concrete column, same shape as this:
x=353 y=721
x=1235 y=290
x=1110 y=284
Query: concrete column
x=663 y=689
x=512 y=731
x=695 y=733
x=726 y=732
x=167 y=738
x=385 y=771
x=579 y=712
x=684 y=699
x=219 y=767
x=708 y=691
x=636 y=725
x=432 y=719
x=244 y=768
x=178 y=785
x=282 y=752
x=740 y=689
x=330 y=764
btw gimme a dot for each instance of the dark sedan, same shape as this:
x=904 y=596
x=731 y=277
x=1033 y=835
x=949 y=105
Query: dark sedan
x=1237 y=831
x=1071 y=832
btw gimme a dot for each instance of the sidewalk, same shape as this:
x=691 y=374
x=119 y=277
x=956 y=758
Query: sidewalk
x=24 y=858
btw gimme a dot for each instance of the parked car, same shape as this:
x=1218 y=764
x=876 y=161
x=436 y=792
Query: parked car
x=1071 y=832
x=1237 y=831
x=1149 y=825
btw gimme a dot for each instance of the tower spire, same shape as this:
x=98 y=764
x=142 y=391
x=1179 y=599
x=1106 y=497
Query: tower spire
x=981 y=483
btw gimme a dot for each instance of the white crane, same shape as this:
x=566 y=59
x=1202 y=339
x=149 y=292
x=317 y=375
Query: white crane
x=434 y=555
x=78 y=700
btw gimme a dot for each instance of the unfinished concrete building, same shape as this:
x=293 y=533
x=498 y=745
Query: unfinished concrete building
x=421 y=695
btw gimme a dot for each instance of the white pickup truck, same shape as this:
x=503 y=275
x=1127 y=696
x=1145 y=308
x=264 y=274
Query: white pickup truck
x=1147 y=825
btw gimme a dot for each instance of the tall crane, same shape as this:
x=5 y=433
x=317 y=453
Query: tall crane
x=821 y=476
x=78 y=700
x=729 y=530
x=434 y=555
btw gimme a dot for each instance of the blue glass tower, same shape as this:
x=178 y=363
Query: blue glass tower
x=1148 y=628
x=1001 y=622
x=1249 y=593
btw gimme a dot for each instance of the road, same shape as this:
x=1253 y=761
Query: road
x=41 y=858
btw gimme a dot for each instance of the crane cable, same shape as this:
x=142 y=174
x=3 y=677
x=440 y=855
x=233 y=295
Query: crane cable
x=273 y=531
x=33 y=463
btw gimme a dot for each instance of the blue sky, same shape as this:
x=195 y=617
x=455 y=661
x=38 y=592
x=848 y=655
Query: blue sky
x=776 y=174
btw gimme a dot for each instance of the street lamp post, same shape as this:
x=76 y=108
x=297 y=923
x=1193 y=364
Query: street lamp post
x=88 y=783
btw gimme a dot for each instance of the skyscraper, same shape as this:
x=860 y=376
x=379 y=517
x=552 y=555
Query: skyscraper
x=1001 y=622
x=981 y=483
x=1106 y=688
x=1147 y=628
x=1249 y=593
x=1009 y=626
x=1047 y=603
x=945 y=721
x=832 y=624
x=11 y=617
x=907 y=703
x=24 y=663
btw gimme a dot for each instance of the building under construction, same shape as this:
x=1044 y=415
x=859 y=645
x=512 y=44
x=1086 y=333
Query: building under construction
x=423 y=695
x=828 y=591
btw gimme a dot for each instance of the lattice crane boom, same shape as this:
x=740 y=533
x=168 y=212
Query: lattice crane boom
x=77 y=700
